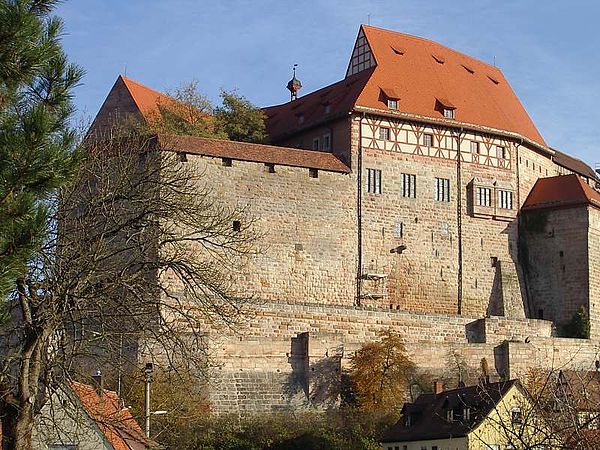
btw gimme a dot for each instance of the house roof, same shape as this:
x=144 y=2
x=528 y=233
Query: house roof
x=244 y=151
x=333 y=101
x=560 y=192
x=429 y=412
x=419 y=74
x=574 y=164
x=114 y=421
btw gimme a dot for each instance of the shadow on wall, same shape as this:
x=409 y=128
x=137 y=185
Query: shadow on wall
x=320 y=383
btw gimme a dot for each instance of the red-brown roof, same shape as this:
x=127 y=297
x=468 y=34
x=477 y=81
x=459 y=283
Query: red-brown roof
x=337 y=98
x=423 y=72
x=561 y=191
x=574 y=164
x=146 y=99
x=114 y=421
x=244 y=151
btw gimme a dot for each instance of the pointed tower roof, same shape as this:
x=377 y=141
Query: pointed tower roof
x=128 y=98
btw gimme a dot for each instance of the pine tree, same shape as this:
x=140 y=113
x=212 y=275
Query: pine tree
x=37 y=155
x=36 y=142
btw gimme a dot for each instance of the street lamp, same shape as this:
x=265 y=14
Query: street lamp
x=148 y=370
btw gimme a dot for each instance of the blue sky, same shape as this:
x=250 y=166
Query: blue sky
x=548 y=50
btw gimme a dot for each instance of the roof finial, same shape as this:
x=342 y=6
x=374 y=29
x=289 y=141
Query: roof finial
x=369 y=19
x=294 y=84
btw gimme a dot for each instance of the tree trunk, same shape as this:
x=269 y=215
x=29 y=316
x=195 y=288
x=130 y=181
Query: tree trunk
x=17 y=428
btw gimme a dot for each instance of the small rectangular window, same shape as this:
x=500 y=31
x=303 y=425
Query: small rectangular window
x=237 y=225
x=374 y=181
x=327 y=141
x=392 y=104
x=313 y=173
x=505 y=199
x=269 y=167
x=448 y=113
x=442 y=189
x=226 y=162
x=500 y=152
x=183 y=156
x=409 y=185
x=316 y=144
x=484 y=196
x=428 y=140
x=384 y=133
x=475 y=147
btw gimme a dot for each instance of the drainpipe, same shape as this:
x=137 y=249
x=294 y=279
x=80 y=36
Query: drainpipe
x=359 y=214
x=459 y=222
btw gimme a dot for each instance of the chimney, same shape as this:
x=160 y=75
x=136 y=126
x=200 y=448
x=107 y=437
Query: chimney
x=97 y=382
x=438 y=387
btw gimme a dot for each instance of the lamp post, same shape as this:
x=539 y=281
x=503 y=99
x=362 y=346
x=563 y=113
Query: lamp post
x=148 y=378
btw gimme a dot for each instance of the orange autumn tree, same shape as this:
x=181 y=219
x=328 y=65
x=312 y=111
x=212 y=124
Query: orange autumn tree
x=381 y=374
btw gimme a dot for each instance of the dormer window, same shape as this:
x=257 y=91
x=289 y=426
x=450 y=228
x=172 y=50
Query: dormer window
x=446 y=107
x=448 y=113
x=390 y=97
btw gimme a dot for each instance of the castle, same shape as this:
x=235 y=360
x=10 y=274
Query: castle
x=416 y=195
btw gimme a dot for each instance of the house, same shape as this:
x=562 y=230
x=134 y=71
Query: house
x=489 y=416
x=85 y=417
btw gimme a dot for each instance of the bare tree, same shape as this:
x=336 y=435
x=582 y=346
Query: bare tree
x=141 y=259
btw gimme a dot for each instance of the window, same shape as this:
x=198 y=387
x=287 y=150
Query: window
x=182 y=156
x=397 y=447
x=467 y=414
x=450 y=415
x=313 y=173
x=475 y=147
x=428 y=140
x=448 y=113
x=516 y=415
x=269 y=167
x=484 y=196
x=374 y=181
x=226 y=162
x=434 y=447
x=327 y=141
x=384 y=133
x=409 y=185
x=316 y=144
x=327 y=108
x=505 y=199
x=392 y=104
x=500 y=152
x=237 y=225
x=442 y=189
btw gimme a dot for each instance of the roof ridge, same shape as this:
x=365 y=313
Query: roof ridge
x=431 y=41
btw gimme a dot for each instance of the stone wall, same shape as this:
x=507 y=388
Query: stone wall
x=557 y=259
x=296 y=357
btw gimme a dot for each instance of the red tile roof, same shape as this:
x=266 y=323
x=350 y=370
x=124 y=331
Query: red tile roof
x=561 y=191
x=146 y=99
x=285 y=119
x=114 y=421
x=419 y=74
x=244 y=151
